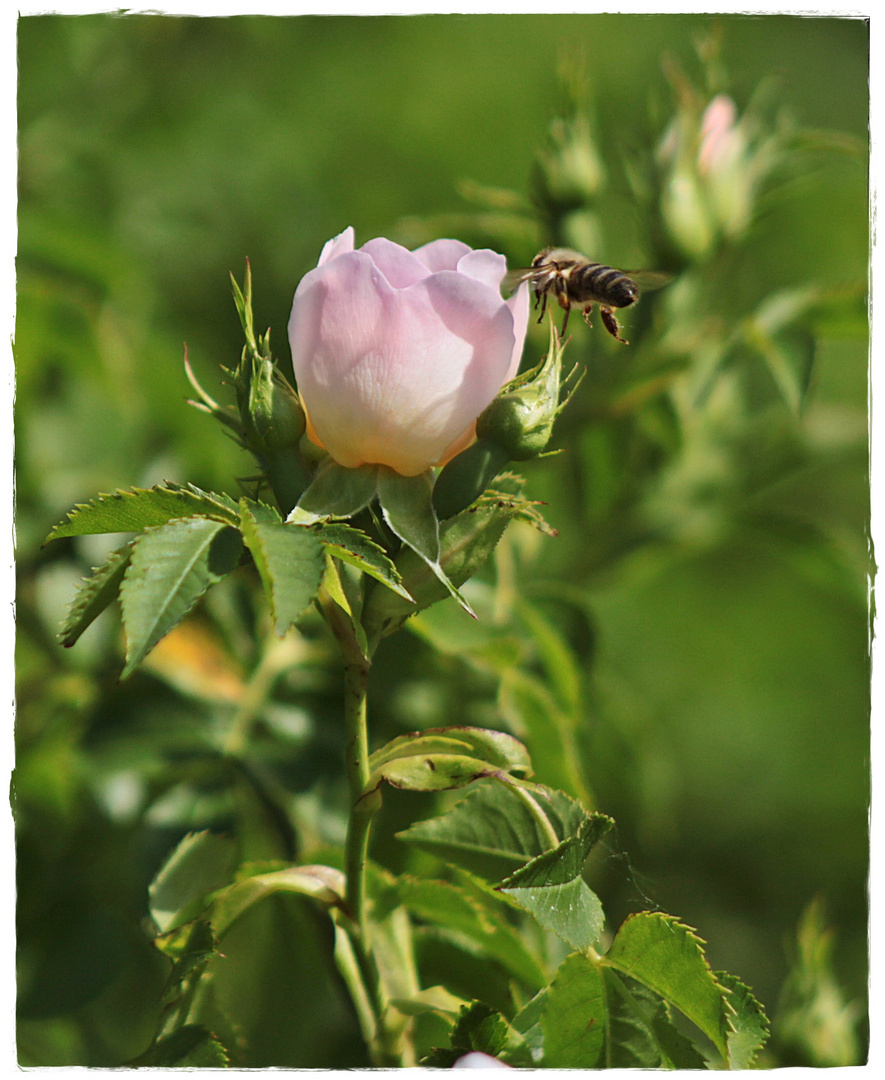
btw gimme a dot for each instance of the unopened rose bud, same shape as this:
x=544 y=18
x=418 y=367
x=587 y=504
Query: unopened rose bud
x=270 y=411
x=397 y=352
x=520 y=420
x=280 y=421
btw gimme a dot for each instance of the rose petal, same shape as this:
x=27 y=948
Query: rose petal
x=441 y=254
x=519 y=305
x=396 y=263
x=337 y=246
x=486 y=266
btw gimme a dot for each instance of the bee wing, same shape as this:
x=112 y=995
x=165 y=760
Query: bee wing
x=649 y=280
x=514 y=278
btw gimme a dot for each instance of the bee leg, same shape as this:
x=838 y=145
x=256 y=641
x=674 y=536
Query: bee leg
x=564 y=324
x=587 y=312
x=542 y=300
x=611 y=324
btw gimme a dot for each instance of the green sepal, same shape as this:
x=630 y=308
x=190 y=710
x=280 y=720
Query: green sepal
x=407 y=506
x=466 y=542
x=335 y=492
x=467 y=476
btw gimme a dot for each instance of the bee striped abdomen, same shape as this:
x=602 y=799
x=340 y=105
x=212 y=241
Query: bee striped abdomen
x=601 y=284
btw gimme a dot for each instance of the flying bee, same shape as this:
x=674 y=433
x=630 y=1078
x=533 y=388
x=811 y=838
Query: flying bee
x=576 y=281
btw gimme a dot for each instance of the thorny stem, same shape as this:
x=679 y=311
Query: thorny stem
x=385 y=1045
x=362 y=805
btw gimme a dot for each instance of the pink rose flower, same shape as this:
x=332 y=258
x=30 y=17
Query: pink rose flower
x=397 y=352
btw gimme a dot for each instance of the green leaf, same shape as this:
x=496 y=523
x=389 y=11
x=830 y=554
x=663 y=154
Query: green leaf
x=641 y=1033
x=574 y=1018
x=494 y=748
x=592 y=1018
x=668 y=958
x=481 y=1029
x=323 y=883
x=392 y=938
x=171 y=566
x=493 y=831
x=406 y=502
x=94 y=595
x=441 y=758
x=356 y=549
x=528 y=1023
x=552 y=889
x=435 y=999
x=142 y=508
x=290 y=562
x=336 y=492
x=191 y=1046
x=200 y=864
x=444 y=904
x=559 y=662
x=748 y=1028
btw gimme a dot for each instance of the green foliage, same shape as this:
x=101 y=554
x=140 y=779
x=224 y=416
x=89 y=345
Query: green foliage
x=496 y=829
x=356 y=549
x=129 y=511
x=552 y=888
x=444 y=758
x=170 y=568
x=289 y=559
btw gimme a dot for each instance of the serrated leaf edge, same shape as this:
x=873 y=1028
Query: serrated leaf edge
x=132 y=660
x=225 y=508
x=117 y=562
x=692 y=935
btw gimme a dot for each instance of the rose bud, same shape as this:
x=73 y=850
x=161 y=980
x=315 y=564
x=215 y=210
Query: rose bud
x=397 y=352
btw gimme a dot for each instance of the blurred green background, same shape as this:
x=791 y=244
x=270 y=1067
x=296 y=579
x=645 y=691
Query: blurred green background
x=709 y=580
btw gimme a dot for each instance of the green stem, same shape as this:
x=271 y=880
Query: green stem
x=385 y=1044
x=362 y=805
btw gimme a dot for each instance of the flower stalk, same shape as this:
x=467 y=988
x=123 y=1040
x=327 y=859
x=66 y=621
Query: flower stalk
x=384 y=1043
